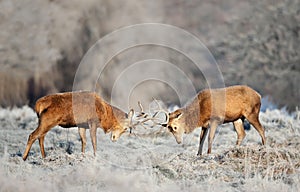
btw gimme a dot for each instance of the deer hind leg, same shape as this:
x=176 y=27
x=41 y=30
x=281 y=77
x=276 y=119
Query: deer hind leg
x=254 y=120
x=239 y=128
x=82 y=134
x=203 y=134
x=41 y=143
x=39 y=133
x=212 y=131
x=93 y=131
x=32 y=137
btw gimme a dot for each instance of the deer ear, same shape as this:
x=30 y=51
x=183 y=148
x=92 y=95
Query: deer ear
x=178 y=114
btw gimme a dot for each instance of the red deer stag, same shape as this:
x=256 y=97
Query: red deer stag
x=87 y=111
x=212 y=107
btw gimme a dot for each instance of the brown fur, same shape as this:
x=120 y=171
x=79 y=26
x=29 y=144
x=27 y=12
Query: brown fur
x=87 y=111
x=212 y=107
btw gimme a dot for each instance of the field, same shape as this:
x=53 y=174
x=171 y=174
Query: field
x=57 y=46
x=151 y=160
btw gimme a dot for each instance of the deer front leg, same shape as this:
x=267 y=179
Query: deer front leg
x=82 y=134
x=212 y=131
x=93 y=131
x=203 y=134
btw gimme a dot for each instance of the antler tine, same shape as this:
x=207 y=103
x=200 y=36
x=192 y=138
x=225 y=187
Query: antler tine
x=161 y=110
x=141 y=106
x=142 y=113
x=131 y=114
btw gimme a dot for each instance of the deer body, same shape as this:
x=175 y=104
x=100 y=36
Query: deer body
x=213 y=107
x=87 y=111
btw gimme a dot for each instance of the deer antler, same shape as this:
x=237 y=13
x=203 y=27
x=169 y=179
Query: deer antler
x=159 y=111
x=142 y=117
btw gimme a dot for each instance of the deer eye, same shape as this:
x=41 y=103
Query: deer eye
x=175 y=128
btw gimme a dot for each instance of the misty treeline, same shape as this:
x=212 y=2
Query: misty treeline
x=43 y=42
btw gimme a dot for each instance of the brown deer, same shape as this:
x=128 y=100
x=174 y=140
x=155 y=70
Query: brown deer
x=212 y=107
x=78 y=109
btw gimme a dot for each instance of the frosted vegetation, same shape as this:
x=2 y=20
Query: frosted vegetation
x=151 y=160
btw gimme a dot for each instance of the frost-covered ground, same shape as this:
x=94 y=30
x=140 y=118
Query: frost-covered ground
x=151 y=161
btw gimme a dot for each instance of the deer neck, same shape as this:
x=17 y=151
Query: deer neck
x=190 y=119
x=107 y=117
x=114 y=118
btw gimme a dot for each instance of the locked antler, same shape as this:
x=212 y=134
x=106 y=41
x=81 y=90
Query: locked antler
x=142 y=118
x=160 y=110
